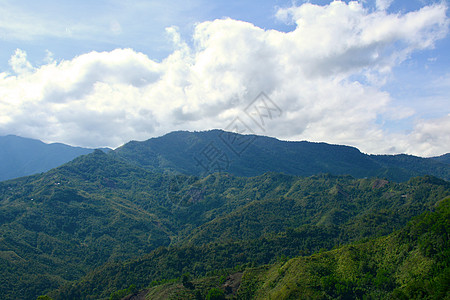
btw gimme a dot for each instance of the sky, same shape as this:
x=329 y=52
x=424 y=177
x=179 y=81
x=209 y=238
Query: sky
x=373 y=74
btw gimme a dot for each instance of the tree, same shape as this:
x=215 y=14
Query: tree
x=215 y=294
x=185 y=279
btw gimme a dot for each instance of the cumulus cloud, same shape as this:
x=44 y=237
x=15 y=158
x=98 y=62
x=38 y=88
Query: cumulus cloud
x=383 y=4
x=19 y=62
x=429 y=137
x=325 y=76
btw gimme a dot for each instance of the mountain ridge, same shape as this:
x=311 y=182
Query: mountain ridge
x=205 y=152
x=21 y=156
x=57 y=226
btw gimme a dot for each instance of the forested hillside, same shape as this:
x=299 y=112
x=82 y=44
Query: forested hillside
x=206 y=224
x=412 y=263
x=200 y=153
x=206 y=152
x=84 y=219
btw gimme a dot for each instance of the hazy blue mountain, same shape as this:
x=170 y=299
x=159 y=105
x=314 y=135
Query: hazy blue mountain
x=443 y=158
x=206 y=152
x=199 y=153
x=23 y=156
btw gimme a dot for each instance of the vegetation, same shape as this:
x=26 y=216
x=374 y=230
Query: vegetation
x=122 y=293
x=22 y=156
x=276 y=241
x=411 y=263
x=100 y=226
x=244 y=155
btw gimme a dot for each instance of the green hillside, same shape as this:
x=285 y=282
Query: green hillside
x=266 y=230
x=445 y=158
x=89 y=216
x=57 y=226
x=412 y=263
x=200 y=153
x=325 y=201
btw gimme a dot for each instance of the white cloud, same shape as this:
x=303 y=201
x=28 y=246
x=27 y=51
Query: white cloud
x=19 y=62
x=429 y=137
x=383 y=4
x=107 y=98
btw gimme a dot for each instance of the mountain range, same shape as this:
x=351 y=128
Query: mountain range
x=206 y=152
x=23 y=156
x=185 y=215
x=200 y=153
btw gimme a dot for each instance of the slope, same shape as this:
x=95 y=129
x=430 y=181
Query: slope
x=412 y=263
x=321 y=212
x=200 y=153
x=445 y=158
x=57 y=226
x=22 y=156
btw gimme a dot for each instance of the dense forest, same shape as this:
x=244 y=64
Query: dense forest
x=103 y=226
x=411 y=263
x=206 y=152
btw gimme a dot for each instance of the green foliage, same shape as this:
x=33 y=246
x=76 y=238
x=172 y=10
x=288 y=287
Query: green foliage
x=44 y=297
x=114 y=224
x=388 y=267
x=327 y=212
x=215 y=294
x=175 y=152
x=186 y=281
x=122 y=293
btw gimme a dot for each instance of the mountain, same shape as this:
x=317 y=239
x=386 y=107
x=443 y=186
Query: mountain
x=411 y=263
x=206 y=152
x=200 y=153
x=97 y=211
x=23 y=156
x=224 y=258
x=56 y=226
x=105 y=222
x=443 y=158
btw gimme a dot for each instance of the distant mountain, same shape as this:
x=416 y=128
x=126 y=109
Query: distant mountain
x=23 y=156
x=443 y=158
x=207 y=152
x=200 y=153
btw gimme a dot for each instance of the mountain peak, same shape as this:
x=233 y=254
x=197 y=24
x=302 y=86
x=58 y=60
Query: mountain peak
x=21 y=156
x=204 y=152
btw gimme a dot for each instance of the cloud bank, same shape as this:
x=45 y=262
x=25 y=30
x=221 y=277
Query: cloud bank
x=326 y=76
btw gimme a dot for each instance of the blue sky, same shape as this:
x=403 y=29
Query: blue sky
x=75 y=27
x=371 y=74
